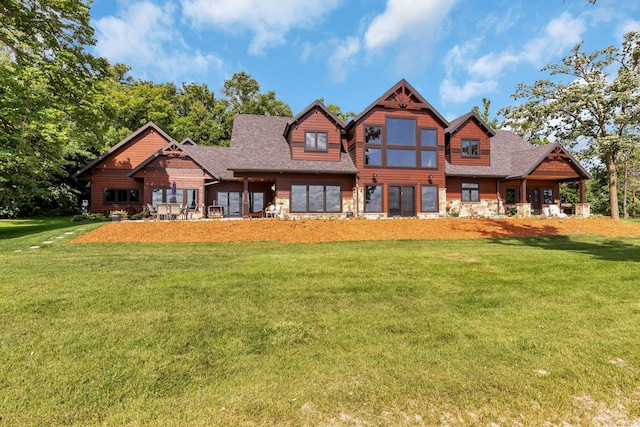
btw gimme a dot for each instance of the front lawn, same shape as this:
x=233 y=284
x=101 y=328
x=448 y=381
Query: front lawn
x=459 y=332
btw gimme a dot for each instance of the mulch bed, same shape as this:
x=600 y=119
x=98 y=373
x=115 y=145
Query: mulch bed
x=350 y=230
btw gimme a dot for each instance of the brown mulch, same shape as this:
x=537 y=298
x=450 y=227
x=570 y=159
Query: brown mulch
x=345 y=230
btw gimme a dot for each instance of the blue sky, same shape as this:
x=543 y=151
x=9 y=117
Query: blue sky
x=349 y=52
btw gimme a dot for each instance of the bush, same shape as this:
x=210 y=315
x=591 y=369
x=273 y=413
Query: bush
x=89 y=217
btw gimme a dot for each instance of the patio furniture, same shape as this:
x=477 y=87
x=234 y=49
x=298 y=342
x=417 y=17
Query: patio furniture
x=162 y=211
x=151 y=209
x=273 y=211
x=215 y=212
x=554 y=210
x=175 y=210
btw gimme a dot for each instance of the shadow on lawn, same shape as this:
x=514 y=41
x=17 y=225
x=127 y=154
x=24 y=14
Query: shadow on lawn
x=607 y=250
x=25 y=227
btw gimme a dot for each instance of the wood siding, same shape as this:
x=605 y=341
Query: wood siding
x=315 y=121
x=112 y=172
x=558 y=168
x=470 y=130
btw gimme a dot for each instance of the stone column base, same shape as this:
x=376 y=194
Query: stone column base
x=583 y=210
x=523 y=210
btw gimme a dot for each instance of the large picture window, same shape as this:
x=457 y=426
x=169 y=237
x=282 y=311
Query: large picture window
x=316 y=198
x=119 y=195
x=429 y=198
x=470 y=192
x=315 y=141
x=401 y=131
x=470 y=148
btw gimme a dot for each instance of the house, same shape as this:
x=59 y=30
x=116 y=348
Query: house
x=398 y=157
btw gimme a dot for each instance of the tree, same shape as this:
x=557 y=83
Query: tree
x=486 y=103
x=594 y=108
x=47 y=96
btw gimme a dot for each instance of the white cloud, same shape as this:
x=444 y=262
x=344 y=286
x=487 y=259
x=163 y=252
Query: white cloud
x=342 y=59
x=144 y=36
x=451 y=92
x=268 y=20
x=559 y=35
x=405 y=20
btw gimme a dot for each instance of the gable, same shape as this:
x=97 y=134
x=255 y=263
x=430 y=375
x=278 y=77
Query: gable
x=401 y=97
x=130 y=152
x=558 y=164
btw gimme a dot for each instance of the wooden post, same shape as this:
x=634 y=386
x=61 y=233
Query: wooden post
x=582 y=191
x=245 y=198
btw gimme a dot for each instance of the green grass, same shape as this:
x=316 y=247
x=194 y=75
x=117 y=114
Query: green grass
x=509 y=331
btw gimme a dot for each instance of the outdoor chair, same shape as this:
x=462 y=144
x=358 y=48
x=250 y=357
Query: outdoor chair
x=554 y=210
x=162 y=211
x=151 y=209
x=273 y=211
x=175 y=210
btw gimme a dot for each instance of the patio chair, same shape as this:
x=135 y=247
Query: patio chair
x=175 y=210
x=162 y=211
x=273 y=211
x=151 y=209
x=554 y=210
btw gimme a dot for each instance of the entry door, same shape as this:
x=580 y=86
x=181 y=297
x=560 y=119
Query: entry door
x=402 y=201
x=533 y=197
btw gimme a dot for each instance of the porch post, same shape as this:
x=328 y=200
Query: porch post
x=245 y=198
x=583 y=196
x=523 y=208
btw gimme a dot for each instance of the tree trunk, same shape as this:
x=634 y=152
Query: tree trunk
x=625 y=184
x=610 y=159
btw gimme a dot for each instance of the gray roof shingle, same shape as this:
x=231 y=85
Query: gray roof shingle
x=258 y=145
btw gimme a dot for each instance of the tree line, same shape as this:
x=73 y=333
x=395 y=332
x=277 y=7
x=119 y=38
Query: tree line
x=60 y=106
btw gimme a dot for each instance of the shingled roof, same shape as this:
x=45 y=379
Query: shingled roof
x=258 y=145
x=511 y=158
x=456 y=124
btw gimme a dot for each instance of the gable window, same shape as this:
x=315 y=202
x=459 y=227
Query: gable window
x=315 y=198
x=119 y=195
x=373 y=156
x=373 y=196
x=401 y=131
x=429 y=198
x=373 y=134
x=315 y=141
x=429 y=145
x=470 y=192
x=470 y=148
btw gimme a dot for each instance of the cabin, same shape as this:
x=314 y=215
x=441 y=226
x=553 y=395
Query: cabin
x=398 y=158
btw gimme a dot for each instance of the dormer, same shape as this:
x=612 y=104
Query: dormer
x=315 y=134
x=468 y=141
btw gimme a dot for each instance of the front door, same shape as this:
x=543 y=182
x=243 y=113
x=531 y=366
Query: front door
x=533 y=197
x=402 y=201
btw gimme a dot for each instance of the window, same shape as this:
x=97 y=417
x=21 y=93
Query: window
x=121 y=195
x=428 y=137
x=373 y=156
x=373 y=198
x=373 y=134
x=512 y=196
x=470 y=148
x=231 y=202
x=316 y=198
x=406 y=158
x=547 y=196
x=429 y=159
x=470 y=192
x=182 y=196
x=401 y=131
x=315 y=141
x=429 y=198
x=256 y=202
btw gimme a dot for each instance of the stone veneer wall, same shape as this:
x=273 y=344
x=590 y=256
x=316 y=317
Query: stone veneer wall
x=483 y=208
x=523 y=209
x=583 y=210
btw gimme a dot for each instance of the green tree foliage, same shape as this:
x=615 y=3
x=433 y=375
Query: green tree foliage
x=594 y=107
x=485 y=114
x=48 y=108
